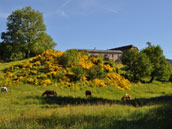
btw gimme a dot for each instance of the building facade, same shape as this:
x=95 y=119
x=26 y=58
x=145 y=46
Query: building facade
x=113 y=55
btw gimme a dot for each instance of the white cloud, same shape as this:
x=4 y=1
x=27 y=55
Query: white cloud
x=65 y=4
x=62 y=13
x=85 y=7
x=111 y=10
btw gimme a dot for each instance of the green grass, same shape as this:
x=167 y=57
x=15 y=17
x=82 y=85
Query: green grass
x=23 y=107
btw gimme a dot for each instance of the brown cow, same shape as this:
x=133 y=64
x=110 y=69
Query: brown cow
x=49 y=92
x=126 y=97
x=88 y=93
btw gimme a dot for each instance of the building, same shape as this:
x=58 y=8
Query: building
x=124 y=49
x=169 y=61
x=108 y=54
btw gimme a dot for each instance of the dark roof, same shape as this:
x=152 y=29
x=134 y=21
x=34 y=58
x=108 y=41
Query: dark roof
x=101 y=51
x=124 y=47
x=169 y=61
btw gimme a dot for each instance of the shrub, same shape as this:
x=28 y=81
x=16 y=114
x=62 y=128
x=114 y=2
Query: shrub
x=78 y=73
x=70 y=58
x=96 y=71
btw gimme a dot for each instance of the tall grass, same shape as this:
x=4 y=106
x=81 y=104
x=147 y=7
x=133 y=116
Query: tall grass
x=24 y=108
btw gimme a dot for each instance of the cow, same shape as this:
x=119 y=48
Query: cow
x=4 y=89
x=126 y=97
x=88 y=93
x=49 y=92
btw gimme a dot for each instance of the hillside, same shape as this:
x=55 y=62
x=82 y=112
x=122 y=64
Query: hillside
x=24 y=107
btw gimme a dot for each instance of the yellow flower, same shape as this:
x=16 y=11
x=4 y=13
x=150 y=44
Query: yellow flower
x=46 y=82
x=108 y=68
x=116 y=80
x=55 y=85
x=98 y=83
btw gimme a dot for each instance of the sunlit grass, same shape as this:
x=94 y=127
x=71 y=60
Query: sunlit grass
x=23 y=107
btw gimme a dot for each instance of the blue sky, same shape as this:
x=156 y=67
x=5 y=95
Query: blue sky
x=101 y=24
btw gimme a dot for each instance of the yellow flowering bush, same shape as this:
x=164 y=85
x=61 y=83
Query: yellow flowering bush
x=94 y=60
x=47 y=69
x=85 y=62
x=33 y=72
x=118 y=81
x=42 y=76
x=108 y=68
x=9 y=74
x=21 y=78
x=46 y=82
x=98 y=83
x=30 y=80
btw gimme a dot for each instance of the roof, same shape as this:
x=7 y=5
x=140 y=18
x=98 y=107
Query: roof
x=101 y=51
x=124 y=47
x=169 y=61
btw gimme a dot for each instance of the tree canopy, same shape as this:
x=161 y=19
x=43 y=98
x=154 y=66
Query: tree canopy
x=26 y=33
x=136 y=64
x=160 y=66
x=148 y=62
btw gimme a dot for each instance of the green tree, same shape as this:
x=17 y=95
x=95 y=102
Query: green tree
x=136 y=64
x=26 y=31
x=161 y=69
x=70 y=58
x=96 y=72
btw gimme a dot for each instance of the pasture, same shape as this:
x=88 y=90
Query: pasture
x=23 y=107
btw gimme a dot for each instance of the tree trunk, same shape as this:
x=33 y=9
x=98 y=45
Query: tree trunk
x=27 y=54
x=151 y=79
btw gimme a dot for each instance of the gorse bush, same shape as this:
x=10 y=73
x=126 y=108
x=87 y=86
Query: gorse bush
x=65 y=69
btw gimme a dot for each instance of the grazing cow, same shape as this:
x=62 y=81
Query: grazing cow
x=4 y=89
x=49 y=92
x=88 y=93
x=126 y=97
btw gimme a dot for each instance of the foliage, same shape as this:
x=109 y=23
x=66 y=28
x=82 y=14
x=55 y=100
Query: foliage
x=149 y=62
x=77 y=70
x=136 y=64
x=70 y=58
x=118 y=81
x=111 y=63
x=78 y=73
x=25 y=34
x=165 y=71
x=96 y=72
x=161 y=69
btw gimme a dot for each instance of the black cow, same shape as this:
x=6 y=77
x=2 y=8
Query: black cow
x=88 y=93
x=49 y=92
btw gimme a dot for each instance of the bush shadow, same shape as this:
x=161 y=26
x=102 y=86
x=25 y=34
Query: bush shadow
x=65 y=100
x=165 y=99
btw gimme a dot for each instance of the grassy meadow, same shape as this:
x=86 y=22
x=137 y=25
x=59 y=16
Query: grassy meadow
x=23 y=107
